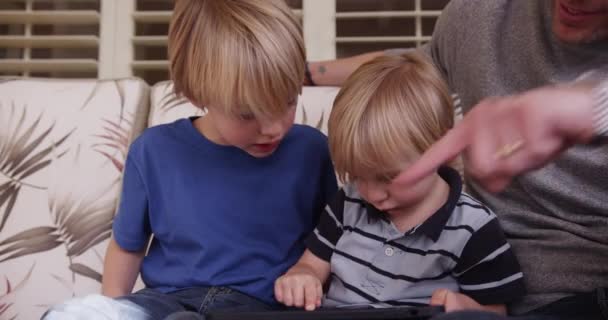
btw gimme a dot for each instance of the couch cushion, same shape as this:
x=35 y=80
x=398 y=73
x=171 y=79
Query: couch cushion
x=62 y=147
x=314 y=106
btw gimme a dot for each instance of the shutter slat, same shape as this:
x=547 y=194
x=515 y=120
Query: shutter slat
x=396 y=39
x=49 y=41
x=386 y=14
x=150 y=65
x=152 y=16
x=50 y=17
x=150 y=40
x=164 y=16
x=47 y=65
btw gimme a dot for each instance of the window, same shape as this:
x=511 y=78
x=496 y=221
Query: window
x=49 y=38
x=363 y=26
x=150 y=40
x=122 y=38
x=151 y=19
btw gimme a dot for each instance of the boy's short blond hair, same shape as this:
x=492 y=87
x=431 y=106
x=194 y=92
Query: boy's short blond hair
x=390 y=110
x=237 y=55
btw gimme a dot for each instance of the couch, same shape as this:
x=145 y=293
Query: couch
x=62 y=149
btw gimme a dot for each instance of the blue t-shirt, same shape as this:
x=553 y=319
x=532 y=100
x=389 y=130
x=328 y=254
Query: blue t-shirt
x=219 y=216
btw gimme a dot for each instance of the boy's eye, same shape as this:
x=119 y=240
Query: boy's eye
x=386 y=178
x=382 y=179
x=246 y=116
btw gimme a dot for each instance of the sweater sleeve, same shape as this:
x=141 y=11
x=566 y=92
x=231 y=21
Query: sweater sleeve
x=600 y=109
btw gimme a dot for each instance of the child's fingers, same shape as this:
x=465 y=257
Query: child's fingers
x=287 y=295
x=278 y=290
x=319 y=289
x=439 y=297
x=298 y=295
x=310 y=293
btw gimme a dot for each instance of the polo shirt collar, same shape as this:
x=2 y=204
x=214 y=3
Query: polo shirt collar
x=434 y=225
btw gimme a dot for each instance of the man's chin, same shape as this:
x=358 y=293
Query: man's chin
x=570 y=35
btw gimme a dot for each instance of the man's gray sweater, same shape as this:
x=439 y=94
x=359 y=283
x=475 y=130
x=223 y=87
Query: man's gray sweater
x=556 y=218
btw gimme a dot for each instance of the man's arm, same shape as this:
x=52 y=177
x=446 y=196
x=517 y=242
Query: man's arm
x=120 y=270
x=335 y=72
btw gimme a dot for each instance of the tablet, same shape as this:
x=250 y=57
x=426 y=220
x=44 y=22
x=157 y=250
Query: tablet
x=393 y=313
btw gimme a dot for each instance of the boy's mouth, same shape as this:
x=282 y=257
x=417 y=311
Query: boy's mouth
x=385 y=208
x=266 y=147
x=390 y=210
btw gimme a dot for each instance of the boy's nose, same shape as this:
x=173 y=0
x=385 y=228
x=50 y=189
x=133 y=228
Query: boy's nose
x=374 y=193
x=377 y=195
x=271 y=128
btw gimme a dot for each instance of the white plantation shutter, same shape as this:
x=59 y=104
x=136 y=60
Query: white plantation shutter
x=49 y=38
x=319 y=27
x=122 y=38
x=364 y=26
x=151 y=19
x=116 y=30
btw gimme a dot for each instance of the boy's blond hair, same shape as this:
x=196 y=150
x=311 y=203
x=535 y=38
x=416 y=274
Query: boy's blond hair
x=237 y=55
x=390 y=110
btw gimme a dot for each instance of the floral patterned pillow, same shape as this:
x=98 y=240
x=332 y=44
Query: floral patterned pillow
x=62 y=149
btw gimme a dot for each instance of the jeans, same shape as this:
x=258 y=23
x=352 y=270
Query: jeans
x=190 y=304
x=195 y=300
x=585 y=306
x=149 y=304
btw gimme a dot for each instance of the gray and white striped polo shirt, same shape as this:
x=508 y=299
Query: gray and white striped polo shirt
x=461 y=247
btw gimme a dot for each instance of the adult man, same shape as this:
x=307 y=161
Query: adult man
x=555 y=217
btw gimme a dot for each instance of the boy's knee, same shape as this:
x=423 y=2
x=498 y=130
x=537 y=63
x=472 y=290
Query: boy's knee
x=94 y=307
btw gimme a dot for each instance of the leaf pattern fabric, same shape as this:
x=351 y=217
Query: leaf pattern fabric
x=62 y=148
x=63 y=145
